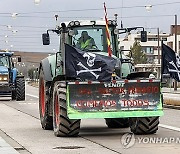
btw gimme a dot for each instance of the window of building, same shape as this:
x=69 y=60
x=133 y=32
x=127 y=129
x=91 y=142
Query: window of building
x=137 y=39
x=148 y=50
x=152 y=39
x=164 y=38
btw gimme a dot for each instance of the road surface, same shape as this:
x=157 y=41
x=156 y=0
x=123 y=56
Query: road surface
x=20 y=127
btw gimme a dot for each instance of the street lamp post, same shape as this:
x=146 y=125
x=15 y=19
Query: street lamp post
x=175 y=45
x=159 y=56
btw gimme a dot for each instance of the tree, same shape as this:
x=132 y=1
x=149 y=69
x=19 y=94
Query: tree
x=138 y=55
x=32 y=73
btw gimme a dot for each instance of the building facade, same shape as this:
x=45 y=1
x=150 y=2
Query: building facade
x=150 y=48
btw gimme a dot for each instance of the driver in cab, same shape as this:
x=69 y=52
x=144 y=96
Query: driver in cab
x=86 y=42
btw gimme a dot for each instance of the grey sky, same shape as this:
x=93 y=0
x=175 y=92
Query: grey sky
x=29 y=38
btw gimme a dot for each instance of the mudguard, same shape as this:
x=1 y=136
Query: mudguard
x=46 y=66
x=14 y=75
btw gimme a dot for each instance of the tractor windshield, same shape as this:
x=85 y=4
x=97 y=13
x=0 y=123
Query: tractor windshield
x=93 y=39
x=4 y=61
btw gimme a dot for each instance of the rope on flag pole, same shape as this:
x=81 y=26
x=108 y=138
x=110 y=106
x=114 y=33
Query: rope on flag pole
x=107 y=32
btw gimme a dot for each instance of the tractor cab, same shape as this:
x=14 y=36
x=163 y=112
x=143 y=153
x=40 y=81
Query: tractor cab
x=5 y=59
x=80 y=32
x=91 y=36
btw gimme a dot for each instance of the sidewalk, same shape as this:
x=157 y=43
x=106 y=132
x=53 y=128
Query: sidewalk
x=171 y=98
x=170 y=90
x=5 y=148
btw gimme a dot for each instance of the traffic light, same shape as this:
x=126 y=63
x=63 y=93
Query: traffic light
x=143 y=36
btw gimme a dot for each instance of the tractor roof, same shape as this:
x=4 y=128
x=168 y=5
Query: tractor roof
x=89 y=22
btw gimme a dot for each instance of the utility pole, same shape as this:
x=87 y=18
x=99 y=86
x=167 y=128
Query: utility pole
x=175 y=39
x=158 y=53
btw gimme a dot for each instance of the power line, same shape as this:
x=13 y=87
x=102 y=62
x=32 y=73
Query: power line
x=27 y=26
x=19 y=16
x=168 y=3
x=147 y=16
x=81 y=17
x=93 y=9
x=21 y=30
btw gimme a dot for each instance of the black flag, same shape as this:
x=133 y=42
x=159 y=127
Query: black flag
x=87 y=65
x=170 y=63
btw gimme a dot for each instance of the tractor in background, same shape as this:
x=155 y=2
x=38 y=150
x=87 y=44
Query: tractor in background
x=12 y=83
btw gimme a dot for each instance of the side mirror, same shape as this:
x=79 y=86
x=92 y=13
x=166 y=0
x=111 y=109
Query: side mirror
x=46 y=39
x=19 y=59
x=143 y=36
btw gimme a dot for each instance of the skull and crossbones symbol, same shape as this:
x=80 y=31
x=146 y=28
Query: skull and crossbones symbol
x=178 y=61
x=90 y=62
x=176 y=70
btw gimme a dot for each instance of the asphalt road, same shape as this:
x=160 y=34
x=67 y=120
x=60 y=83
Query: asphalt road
x=20 y=127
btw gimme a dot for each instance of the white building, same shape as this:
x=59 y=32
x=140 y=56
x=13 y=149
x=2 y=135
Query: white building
x=150 y=47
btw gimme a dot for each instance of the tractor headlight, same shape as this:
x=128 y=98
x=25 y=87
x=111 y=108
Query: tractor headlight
x=4 y=77
x=74 y=23
x=71 y=23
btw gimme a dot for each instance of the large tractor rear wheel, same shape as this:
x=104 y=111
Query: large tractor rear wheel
x=144 y=125
x=20 y=89
x=63 y=126
x=44 y=98
x=117 y=122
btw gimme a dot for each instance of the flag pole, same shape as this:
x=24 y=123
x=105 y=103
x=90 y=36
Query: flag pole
x=107 y=32
x=162 y=60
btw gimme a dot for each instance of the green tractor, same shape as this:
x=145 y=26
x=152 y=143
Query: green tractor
x=131 y=99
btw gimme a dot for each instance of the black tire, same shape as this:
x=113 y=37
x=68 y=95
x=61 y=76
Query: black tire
x=117 y=122
x=13 y=95
x=20 y=89
x=44 y=98
x=63 y=126
x=145 y=125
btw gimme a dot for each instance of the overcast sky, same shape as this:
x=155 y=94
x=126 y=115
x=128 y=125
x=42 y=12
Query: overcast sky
x=30 y=25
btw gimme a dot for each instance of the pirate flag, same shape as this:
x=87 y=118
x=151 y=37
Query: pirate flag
x=87 y=65
x=170 y=63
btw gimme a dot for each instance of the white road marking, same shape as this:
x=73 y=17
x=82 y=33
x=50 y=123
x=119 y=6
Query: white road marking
x=169 y=127
x=32 y=95
x=22 y=103
x=27 y=103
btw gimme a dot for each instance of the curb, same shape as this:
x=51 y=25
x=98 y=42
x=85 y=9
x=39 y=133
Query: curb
x=6 y=148
x=171 y=106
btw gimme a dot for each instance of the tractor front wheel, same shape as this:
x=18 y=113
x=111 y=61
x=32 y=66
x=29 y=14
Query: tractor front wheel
x=144 y=125
x=63 y=126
